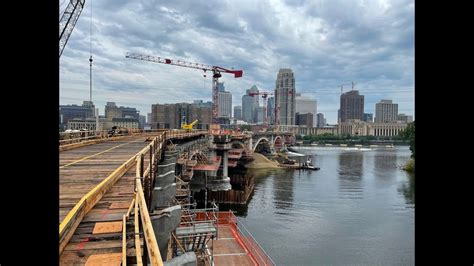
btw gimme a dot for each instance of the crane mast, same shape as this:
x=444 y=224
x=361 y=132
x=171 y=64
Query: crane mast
x=68 y=21
x=216 y=70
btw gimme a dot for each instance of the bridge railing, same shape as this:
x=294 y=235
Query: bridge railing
x=143 y=189
x=75 y=137
x=180 y=133
x=144 y=178
x=82 y=137
x=87 y=202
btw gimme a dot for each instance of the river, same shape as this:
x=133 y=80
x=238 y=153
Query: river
x=358 y=209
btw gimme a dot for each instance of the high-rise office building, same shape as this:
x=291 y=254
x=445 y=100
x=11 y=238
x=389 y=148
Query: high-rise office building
x=285 y=95
x=306 y=105
x=271 y=110
x=220 y=86
x=249 y=105
x=238 y=112
x=304 y=119
x=368 y=117
x=148 y=118
x=69 y=112
x=225 y=104
x=172 y=115
x=386 y=111
x=113 y=111
x=321 y=120
x=352 y=106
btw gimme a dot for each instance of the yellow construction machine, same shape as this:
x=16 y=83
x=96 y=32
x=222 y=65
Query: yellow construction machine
x=189 y=127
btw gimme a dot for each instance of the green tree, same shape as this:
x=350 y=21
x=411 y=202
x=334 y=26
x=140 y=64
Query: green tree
x=409 y=134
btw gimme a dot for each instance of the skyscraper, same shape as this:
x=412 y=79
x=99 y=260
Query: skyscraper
x=249 y=105
x=321 y=120
x=306 y=105
x=259 y=115
x=368 y=117
x=386 y=111
x=225 y=104
x=352 y=106
x=285 y=93
x=220 y=86
x=271 y=110
x=238 y=112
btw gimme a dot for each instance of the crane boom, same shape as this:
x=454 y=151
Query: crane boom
x=68 y=21
x=216 y=70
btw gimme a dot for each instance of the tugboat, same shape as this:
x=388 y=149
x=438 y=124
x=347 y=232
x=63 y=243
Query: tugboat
x=309 y=165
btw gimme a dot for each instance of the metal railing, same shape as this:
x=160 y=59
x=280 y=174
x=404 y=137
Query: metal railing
x=255 y=250
x=72 y=140
x=80 y=136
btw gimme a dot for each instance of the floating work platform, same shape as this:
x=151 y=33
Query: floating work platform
x=298 y=166
x=234 y=244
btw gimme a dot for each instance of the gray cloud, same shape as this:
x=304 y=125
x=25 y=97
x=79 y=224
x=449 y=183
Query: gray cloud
x=326 y=43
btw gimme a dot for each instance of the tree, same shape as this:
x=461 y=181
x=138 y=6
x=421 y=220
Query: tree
x=409 y=134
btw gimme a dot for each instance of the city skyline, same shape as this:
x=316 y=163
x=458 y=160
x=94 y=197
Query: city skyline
x=325 y=44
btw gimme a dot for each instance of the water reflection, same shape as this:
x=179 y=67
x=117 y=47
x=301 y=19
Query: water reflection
x=385 y=168
x=350 y=174
x=249 y=178
x=283 y=190
x=351 y=165
x=385 y=160
x=408 y=189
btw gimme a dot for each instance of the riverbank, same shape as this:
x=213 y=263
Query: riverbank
x=410 y=166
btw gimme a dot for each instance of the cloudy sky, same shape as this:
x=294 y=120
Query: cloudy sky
x=326 y=43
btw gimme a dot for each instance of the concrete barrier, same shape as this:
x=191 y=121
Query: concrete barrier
x=164 y=222
x=165 y=179
x=162 y=196
x=165 y=168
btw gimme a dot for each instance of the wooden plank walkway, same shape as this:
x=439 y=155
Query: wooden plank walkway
x=110 y=209
x=83 y=168
x=98 y=237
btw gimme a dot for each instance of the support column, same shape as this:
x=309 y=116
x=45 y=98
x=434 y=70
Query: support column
x=225 y=163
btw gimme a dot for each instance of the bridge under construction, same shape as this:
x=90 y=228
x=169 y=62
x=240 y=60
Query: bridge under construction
x=126 y=200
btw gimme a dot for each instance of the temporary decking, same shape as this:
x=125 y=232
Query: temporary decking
x=97 y=187
x=83 y=168
x=98 y=196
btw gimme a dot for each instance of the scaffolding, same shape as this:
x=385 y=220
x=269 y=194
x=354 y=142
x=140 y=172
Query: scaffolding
x=197 y=228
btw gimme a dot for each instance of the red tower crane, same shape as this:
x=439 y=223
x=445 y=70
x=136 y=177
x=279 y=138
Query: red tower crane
x=216 y=70
x=264 y=97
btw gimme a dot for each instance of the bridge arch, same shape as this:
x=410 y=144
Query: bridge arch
x=263 y=144
x=278 y=142
x=237 y=145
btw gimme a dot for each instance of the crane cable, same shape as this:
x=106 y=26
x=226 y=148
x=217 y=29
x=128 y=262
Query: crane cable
x=90 y=51
x=90 y=32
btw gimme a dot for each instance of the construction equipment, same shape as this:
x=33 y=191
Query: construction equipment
x=216 y=70
x=264 y=97
x=68 y=21
x=189 y=127
x=342 y=86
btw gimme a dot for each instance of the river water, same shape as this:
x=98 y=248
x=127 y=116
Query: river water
x=358 y=209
